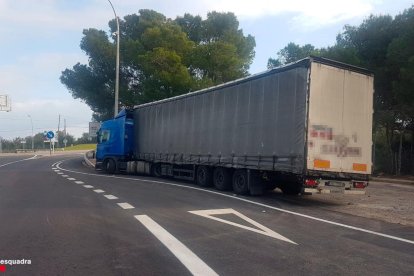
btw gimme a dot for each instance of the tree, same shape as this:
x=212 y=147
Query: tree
x=85 y=139
x=192 y=26
x=291 y=53
x=384 y=45
x=93 y=83
x=160 y=58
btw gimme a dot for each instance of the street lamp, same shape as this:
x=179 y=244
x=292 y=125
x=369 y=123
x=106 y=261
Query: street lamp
x=31 y=121
x=117 y=62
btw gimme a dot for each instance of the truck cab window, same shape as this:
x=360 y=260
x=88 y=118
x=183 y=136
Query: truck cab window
x=103 y=136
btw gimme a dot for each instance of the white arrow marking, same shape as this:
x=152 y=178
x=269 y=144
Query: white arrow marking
x=190 y=260
x=263 y=229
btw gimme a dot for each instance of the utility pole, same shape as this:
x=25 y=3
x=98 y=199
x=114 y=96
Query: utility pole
x=118 y=34
x=31 y=121
x=58 y=132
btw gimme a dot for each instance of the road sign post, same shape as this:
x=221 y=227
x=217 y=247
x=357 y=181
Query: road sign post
x=50 y=136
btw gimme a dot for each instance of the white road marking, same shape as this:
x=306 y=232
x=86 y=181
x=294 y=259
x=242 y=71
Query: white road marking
x=17 y=161
x=248 y=201
x=79 y=182
x=110 y=197
x=263 y=229
x=70 y=178
x=88 y=186
x=125 y=205
x=190 y=260
x=99 y=191
x=56 y=170
x=65 y=175
x=60 y=173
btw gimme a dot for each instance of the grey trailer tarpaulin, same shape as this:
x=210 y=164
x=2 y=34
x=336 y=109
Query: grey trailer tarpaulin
x=258 y=122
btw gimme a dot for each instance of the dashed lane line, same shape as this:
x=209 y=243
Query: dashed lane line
x=70 y=178
x=247 y=201
x=79 y=182
x=17 y=161
x=190 y=260
x=88 y=186
x=65 y=175
x=110 y=196
x=125 y=205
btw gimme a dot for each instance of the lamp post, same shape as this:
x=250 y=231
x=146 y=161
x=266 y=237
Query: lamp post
x=31 y=121
x=117 y=62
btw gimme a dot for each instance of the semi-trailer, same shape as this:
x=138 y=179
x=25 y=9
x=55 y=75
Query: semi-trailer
x=303 y=127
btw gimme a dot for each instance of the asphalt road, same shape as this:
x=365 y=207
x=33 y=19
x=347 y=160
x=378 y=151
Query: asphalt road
x=68 y=219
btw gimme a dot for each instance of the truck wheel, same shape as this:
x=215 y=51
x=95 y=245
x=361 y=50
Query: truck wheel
x=156 y=170
x=240 y=183
x=291 y=188
x=110 y=165
x=204 y=176
x=222 y=179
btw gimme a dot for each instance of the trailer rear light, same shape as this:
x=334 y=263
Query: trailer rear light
x=311 y=183
x=360 y=184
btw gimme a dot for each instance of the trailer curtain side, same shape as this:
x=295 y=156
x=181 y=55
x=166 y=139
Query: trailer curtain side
x=256 y=123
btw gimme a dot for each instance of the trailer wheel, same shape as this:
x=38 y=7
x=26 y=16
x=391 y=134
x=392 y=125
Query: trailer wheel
x=156 y=170
x=109 y=165
x=222 y=179
x=204 y=176
x=240 y=182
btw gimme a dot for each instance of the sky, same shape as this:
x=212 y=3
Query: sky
x=40 y=39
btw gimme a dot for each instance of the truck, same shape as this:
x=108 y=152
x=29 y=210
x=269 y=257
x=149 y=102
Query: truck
x=305 y=127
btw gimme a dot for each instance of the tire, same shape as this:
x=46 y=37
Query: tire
x=291 y=188
x=156 y=170
x=240 y=182
x=222 y=179
x=110 y=166
x=204 y=177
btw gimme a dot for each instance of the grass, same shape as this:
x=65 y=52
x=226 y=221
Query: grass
x=82 y=147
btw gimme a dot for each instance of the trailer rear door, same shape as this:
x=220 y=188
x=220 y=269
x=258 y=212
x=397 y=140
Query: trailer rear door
x=340 y=120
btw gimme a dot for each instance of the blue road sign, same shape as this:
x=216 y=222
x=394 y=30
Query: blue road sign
x=50 y=134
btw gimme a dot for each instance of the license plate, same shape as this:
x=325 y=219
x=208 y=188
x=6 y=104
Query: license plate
x=336 y=184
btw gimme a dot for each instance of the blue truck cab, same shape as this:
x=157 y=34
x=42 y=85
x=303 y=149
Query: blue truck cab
x=115 y=142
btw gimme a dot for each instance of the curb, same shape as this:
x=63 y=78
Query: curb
x=87 y=161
